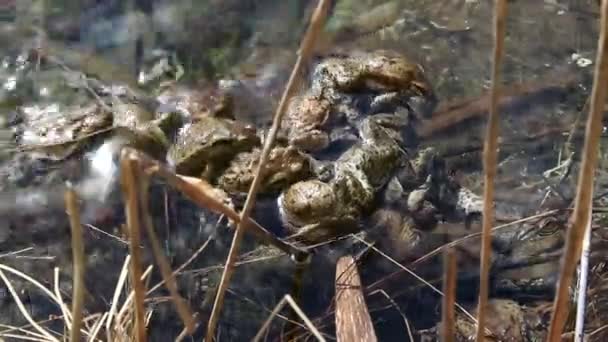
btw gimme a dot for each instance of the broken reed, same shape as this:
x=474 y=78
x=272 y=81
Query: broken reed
x=73 y=210
x=490 y=157
x=449 y=298
x=581 y=215
x=129 y=175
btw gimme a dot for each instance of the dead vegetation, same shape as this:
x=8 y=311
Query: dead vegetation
x=129 y=314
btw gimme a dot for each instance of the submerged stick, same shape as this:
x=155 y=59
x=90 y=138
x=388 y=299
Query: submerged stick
x=71 y=203
x=128 y=177
x=490 y=157
x=582 y=208
x=182 y=307
x=353 y=322
x=449 y=290
x=317 y=20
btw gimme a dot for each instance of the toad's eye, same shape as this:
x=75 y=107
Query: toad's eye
x=548 y=229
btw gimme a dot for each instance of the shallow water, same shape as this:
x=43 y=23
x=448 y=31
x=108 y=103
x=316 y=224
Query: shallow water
x=549 y=48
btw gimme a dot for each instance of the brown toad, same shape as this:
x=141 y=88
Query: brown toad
x=340 y=84
x=285 y=166
x=317 y=210
x=206 y=146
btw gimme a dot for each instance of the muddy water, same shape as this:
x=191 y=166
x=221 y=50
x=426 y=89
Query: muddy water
x=549 y=46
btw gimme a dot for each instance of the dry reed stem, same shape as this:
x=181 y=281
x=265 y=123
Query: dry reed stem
x=449 y=289
x=316 y=23
x=582 y=208
x=289 y=300
x=71 y=203
x=490 y=157
x=182 y=307
x=353 y=321
x=129 y=188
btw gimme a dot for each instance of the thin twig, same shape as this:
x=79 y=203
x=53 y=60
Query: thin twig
x=88 y=225
x=264 y=308
x=71 y=203
x=394 y=304
x=4 y=255
x=316 y=23
x=419 y=278
x=455 y=243
x=449 y=289
x=582 y=213
x=128 y=172
x=288 y=300
x=490 y=157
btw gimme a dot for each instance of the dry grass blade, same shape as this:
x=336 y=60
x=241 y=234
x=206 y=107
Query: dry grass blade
x=23 y=310
x=30 y=280
x=165 y=268
x=67 y=319
x=316 y=23
x=4 y=255
x=353 y=322
x=71 y=203
x=490 y=156
x=24 y=337
x=130 y=193
x=97 y=326
x=449 y=289
x=288 y=300
x=582 y=207
x=8 y=329
x=117 y=291
x=34 y=282
x=122 y=318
